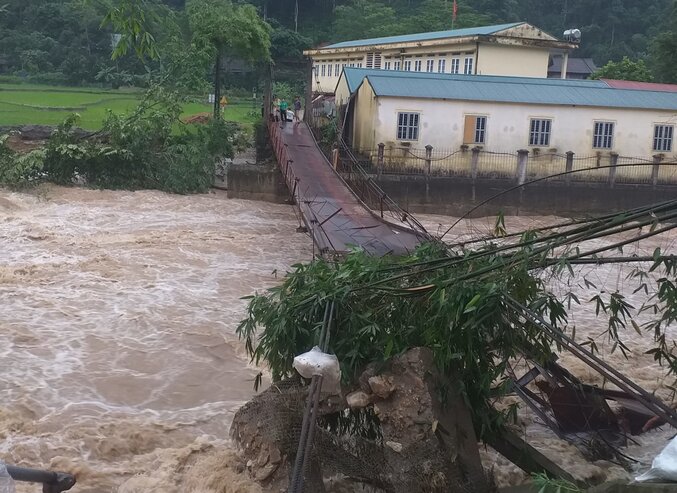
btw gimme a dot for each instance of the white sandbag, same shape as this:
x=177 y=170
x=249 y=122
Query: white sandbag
x=315 y=362
x=664 y=466
x=6 y=481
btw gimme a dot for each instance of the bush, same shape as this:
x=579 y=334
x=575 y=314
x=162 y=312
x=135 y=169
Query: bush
x=142 y=150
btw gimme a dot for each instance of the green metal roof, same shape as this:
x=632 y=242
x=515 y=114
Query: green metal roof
x=407 y=38
x=526 y=90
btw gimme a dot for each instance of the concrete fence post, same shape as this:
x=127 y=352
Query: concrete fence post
x=335 y=158
x=474 y=163
x=428 y=159
x=613 y=161
x=522 y=159
x=657 y=159
x=380 y=158
x=569 y=166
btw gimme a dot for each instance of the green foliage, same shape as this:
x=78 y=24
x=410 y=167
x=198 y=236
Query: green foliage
x=546 y=484
x=663 y=49
x=229 y=29
x=140 y=150
x=19 y=170
x=463 y=322
x=626 y=69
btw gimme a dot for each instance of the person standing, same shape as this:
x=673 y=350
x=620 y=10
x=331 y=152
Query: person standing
x=297 y=110
x=283 y=110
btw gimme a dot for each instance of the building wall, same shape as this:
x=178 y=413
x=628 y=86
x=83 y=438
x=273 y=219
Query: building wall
x=364 y=128
x=512 y=60
x=507 y=126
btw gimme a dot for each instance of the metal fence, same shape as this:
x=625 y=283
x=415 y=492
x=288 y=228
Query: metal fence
x=522 y=165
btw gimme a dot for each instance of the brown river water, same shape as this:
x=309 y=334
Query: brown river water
x=117 y=334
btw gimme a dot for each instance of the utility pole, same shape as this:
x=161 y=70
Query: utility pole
x=296 y=16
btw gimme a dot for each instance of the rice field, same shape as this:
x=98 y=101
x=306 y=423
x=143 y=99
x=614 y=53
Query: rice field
x=23 y=104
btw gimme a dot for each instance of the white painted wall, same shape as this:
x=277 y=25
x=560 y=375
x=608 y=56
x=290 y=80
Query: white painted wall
x=508 y=125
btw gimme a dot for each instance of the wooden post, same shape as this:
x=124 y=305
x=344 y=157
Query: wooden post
x=522 y=159
x=217 y=85
x=569 y=166
x=268 y=91
x=657 y=159
x=613 y=161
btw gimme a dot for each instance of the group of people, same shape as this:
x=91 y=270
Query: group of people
x=280 y=110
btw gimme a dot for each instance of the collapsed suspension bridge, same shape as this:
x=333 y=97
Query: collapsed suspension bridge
x=334 y=216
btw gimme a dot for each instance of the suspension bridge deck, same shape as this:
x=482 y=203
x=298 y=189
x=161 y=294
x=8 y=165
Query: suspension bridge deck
x=334 y=216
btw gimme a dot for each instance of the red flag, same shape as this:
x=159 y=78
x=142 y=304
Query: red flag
x=455 y=9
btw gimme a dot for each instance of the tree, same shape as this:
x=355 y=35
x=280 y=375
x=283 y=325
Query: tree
x=664 y=50
x=227 y=29
x=365 y=19
x=626 y=69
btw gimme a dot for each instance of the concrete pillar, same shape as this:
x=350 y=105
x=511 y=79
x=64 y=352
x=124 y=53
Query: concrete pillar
x=569 y=166
x=474 y=162
x=565 y=64
x=613 y=161
x=522 y=159
x=657 y=159
x=379 y=158
x=428 y=159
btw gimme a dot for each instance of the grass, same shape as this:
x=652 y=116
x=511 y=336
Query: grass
x=24 y=104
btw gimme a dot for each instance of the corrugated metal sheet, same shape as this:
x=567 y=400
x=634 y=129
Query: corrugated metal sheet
x=407 y=38
x=640 y=86
x=354 y=77
x=514 y=90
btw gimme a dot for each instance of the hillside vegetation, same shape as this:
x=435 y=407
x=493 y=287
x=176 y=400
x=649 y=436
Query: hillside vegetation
x=63 y=41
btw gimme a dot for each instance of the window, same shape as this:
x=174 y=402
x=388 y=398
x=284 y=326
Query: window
x=398 y=65
x=417 y=66
x=430 y=65
x=539 y=132
x=603 y=136
x=468 y=65
x=407 y=65
x=337 y=69
x=662 y=138
x=441 y=65
x=373 y=60
x=387 y=65
x=323 y=70
x=475 y=130
x=407 y=126
x=455 y=65
x=359 y=64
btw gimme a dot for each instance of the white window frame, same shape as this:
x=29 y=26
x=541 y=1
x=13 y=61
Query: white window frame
x=603 y=134
x=407 y=65
x=540 y=132
x=397 y=65
x=441 y=65
x=386 y=65
x=418 y=65
x=480 y=129
x=468 y=65
x=455 y=65
x=408 y=125
x=430 y=65
x=359 y=64
x=663 y=136
x=323 y=70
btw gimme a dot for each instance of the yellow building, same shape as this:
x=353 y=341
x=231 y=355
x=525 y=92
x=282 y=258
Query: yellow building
x=517 y=49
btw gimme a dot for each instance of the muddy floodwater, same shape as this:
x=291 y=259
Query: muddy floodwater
x=117 y=334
